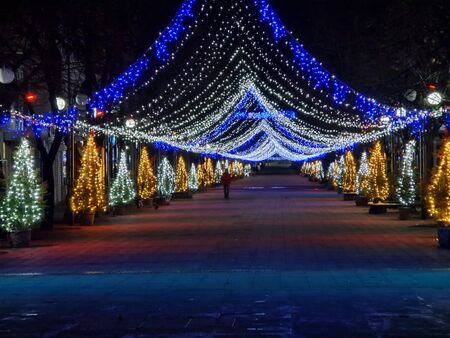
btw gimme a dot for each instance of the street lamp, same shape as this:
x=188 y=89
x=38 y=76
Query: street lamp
x=6 y=75
x=130 y=123
x=60 y=103
x=82 y=99
x=410 y=95
x=434 y=98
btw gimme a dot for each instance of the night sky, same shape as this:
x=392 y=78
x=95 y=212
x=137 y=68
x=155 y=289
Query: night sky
x=379 y=47
x=373 y=45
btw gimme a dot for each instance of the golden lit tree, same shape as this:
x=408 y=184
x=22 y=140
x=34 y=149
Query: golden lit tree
x=89 y=193
x=438 y=191
x=201 y=179
x=240 y=169
x=209 y=171
x=146 y=178
x=378 y=180
x=349 y=184
x=181 y=179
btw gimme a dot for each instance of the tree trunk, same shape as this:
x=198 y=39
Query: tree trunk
x=49 y=197
x=48 y=158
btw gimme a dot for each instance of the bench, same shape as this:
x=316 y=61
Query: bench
x=381 y=208
x=350 y=196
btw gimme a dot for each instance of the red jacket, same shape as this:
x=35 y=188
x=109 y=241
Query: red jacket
x=226 y=179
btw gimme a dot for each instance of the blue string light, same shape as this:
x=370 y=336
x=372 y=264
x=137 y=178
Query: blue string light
x=320 y=79
x=39 y=122
x=161 y=49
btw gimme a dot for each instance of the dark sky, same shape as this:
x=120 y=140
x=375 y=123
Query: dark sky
x=347 y=36
x=370 y=44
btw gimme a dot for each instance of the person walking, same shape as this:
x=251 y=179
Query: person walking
x=226 y=182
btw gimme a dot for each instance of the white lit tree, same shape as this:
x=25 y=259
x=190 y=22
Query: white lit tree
x=166 y=178
x=22 y=206
x=331 y=174
x=122 y=190
x=362 y=177
x=406 y=184
x=218 y=172
x=247 y=170
x=339 y=172
x=193 y=181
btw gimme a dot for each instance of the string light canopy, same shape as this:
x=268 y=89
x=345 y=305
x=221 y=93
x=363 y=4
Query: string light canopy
x=242 y=87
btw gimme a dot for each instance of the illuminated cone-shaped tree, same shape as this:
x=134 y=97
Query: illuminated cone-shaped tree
x=181 y=179
x=303 y=169
x=247 y=170
x=218 y=172
x=166 y=178
x=438 y=191
x=209 y=172
x=309 y=169
x=89 y=193
x=339 y=170
x=362 y=178
x=236 y=169
x=331 y=174
x=193 y=181
x=22 y=206
x=378 y=180
x=349 y=180
x=406 y=184
x=240 y=169
x=312 y=170
x=201 y=179
x=146 y=179
x=318 y=171
x=122 y=190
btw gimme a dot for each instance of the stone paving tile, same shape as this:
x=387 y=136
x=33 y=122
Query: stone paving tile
x=269 y=262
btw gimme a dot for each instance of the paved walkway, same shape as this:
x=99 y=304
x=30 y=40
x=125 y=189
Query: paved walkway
x=282 y=258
